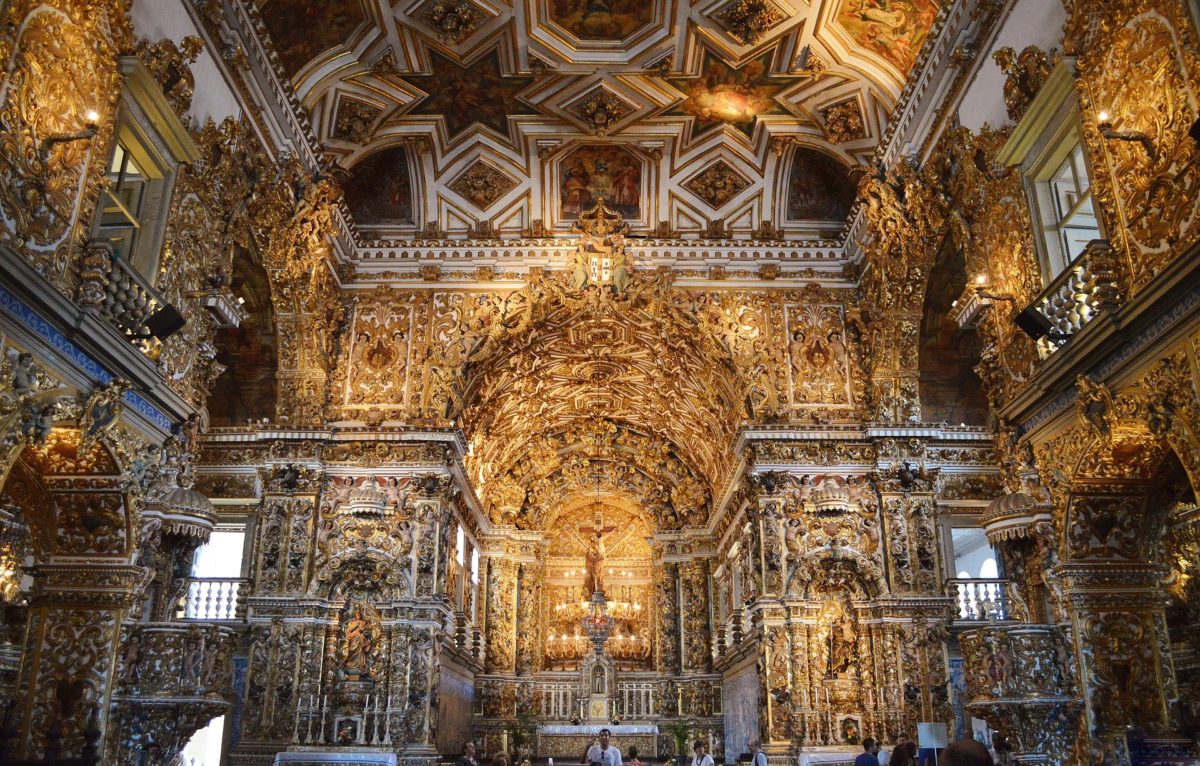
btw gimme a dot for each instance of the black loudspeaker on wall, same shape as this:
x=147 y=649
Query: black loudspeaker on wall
x=165 y=322
x=1034 y=323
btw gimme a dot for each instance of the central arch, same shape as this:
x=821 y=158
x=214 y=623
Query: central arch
x=631 y=394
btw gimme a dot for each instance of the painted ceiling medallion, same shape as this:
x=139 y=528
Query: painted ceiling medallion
x=454 y=21
x=717 y=184
x=748 y=20
x=600 y=109
x=476 y=93
x=482 y=185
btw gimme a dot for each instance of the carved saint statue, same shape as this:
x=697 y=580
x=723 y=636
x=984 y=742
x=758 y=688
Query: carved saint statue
x=362 y=638
x=843 y=642
x=594 y=577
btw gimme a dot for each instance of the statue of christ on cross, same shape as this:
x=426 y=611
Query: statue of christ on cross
x=594 y=580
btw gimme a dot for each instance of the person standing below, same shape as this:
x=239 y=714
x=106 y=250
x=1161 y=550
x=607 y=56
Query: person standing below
x=633 y=757
x=468 y=756
x=701 y=758
x=895 y=757
x=966 y=752
x=870 y=754
x=757 y=756
x=602 y=752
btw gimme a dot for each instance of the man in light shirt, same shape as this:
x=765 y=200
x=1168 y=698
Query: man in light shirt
x=757 y=756
x=601 y=752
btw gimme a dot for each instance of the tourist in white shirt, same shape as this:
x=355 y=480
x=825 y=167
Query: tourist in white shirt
x=757 y=756
x=701 y=758
x=601 y=752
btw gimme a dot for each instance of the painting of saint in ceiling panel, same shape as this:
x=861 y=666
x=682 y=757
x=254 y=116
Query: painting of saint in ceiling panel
x=600 y=171
x=727 y=95
x=891 y=29
x=479 y=92
x=378 y=190
x=302 y=29
x=601 y=19
x=819 y=187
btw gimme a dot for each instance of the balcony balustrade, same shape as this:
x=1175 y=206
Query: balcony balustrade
x=1077 y=295
x=215 y=599
x=111 y=287
x=986 y=600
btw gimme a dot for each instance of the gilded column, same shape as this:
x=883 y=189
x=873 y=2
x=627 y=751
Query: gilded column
x=501 y=613
x=72 y=641
x=668 y=636
x=433 y=542
x=766 y=521
x=697 y=622
x=529 y=624
x=1121 y=646
x=285 y=535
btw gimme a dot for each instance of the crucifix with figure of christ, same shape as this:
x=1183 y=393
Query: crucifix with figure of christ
x=595 y=555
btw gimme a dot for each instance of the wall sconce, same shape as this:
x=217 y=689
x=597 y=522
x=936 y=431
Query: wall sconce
x=1108 y=131
x=88 y=132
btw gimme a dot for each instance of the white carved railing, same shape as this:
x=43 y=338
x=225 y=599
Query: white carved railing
x=1079 y=293
x=636 y=699
x=986 y=600
x=559 y=700
x=215 y=598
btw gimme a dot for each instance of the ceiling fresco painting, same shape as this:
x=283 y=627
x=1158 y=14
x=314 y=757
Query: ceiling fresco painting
x=302 y=29
x=892 y=29
x=475 y=93
x=379 y=191
x=604 y=171
x=731 y=115
x=736 y=96
x=818 y=187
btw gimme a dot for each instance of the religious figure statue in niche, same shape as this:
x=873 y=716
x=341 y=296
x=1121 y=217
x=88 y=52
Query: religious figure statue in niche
x=594 y=576
x=362 y=639
x=843 y=641
x=598 y=680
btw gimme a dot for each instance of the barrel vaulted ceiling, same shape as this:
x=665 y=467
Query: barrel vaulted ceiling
x=453 y=116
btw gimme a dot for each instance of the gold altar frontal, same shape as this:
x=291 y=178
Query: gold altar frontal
x=571 y=742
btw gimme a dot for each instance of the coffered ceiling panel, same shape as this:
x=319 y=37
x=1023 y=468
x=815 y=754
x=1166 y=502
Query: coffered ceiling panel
x=755 y=111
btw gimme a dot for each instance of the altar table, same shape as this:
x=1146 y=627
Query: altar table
x=326 y=757
x=570 y=742
x=833 y=756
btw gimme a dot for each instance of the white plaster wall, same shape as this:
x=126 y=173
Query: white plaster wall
x=158 y=19
x=739 y=701
x=1031 y=22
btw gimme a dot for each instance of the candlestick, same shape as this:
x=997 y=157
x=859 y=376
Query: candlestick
x=312 y=707
x=366 y=721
